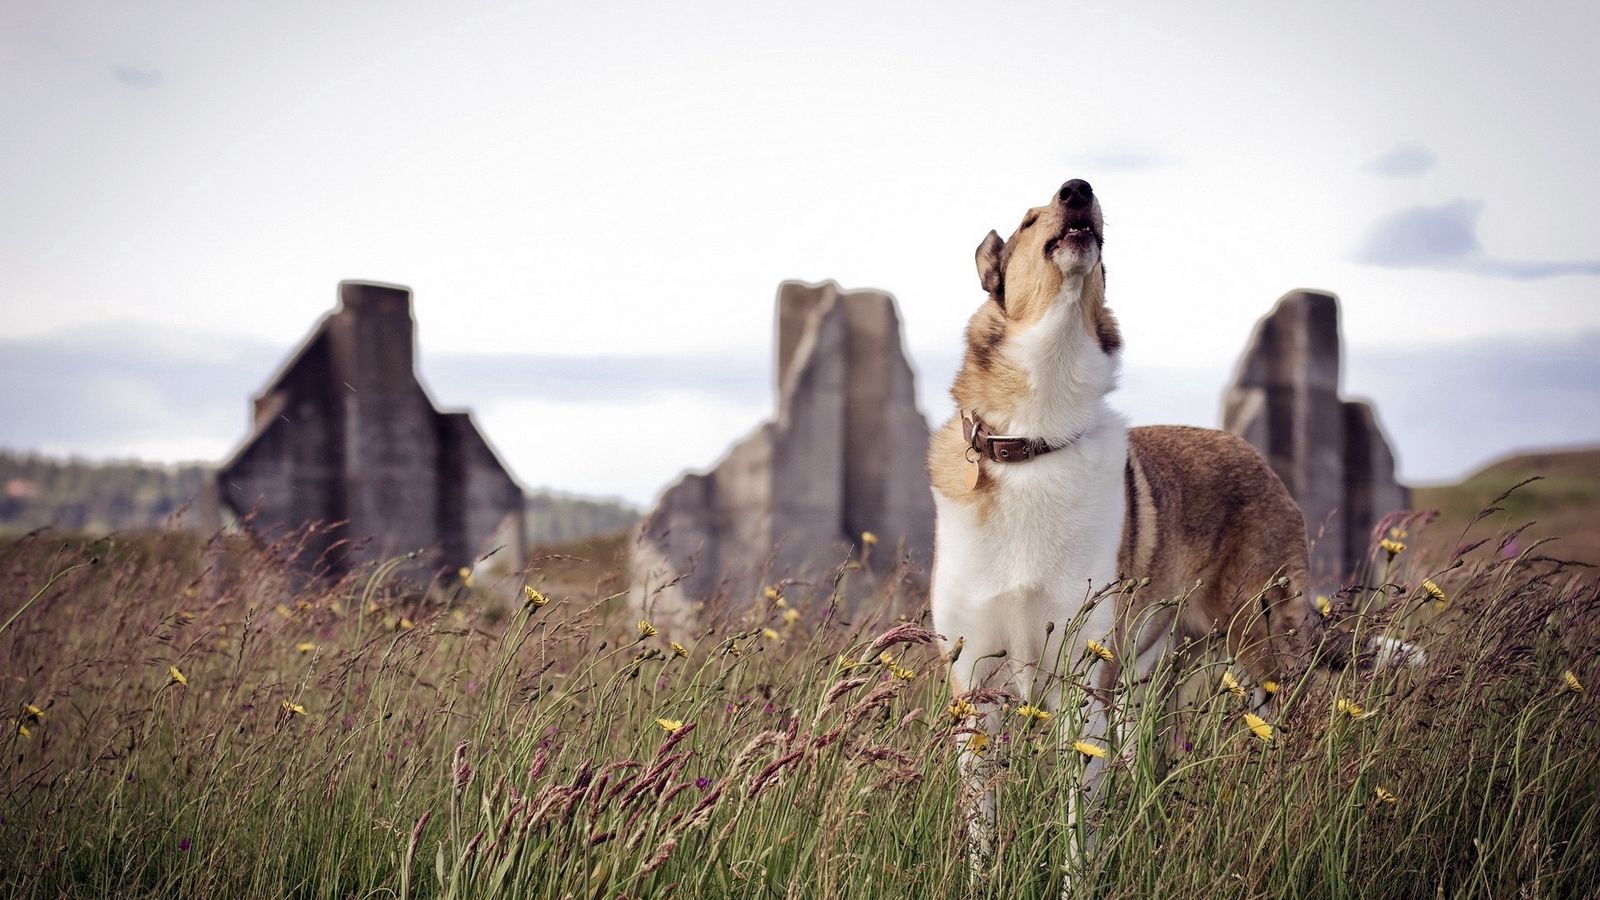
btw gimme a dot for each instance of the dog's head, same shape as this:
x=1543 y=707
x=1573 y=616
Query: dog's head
x=1025 y=274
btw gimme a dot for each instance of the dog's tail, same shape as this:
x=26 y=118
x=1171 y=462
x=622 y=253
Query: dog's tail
x=1332 y=647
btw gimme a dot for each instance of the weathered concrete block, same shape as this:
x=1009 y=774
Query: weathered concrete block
x=842 y=456
x=1331 y=454
x=345 y=433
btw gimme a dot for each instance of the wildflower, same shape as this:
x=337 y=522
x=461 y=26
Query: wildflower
x=406 y=624
x=176 y=676
x=1351 y=709
x=184 y=845
x=1392 y=547
x=977 y=741
x=1088 y=749
x=292 y=708
x=1259 y=727
x=32 y=713
x=868 y=538
x=902 y=673
x=23 y=730
x=372 y=607
x=886 y=658
x=1269 y=686
x=845 y=663
x=1386 y=796
x=535 y=598
x=669 y=725
x=960 y=709
x=1397 y=533
x=466 y=576
x=1571 y=681
x=702 y=783
x=769 y=634
x=680 y=650
x=185 y=617
x=1231 y=684
x=791 y=616
x=284 y=611
x=1034 y=713
x=1434 y=591
x=1101 y=650
x=1324 y=606
x=305 y=647
x=646 y=629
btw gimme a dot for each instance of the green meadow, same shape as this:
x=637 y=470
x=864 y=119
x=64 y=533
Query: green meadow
x=189 y=719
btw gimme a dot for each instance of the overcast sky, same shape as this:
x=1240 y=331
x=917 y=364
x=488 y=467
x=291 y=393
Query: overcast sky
x=594 y=204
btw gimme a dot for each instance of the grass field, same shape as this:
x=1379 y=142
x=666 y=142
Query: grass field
x=180 y=731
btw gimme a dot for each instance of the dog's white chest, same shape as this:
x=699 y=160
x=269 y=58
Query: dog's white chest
x=1049 y=539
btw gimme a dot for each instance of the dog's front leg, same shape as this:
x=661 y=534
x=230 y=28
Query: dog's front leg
x=979 y=764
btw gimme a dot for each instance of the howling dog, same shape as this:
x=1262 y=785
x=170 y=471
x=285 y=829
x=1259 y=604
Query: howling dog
x=1051 y=509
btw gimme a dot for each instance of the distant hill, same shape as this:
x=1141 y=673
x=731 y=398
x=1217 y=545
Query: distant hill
x=98 y=497
x=1564 y=504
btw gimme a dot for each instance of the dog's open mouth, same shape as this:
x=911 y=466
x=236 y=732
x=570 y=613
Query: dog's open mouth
x=1076 y=232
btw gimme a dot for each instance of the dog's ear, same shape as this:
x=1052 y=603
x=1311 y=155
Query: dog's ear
x=989 y=263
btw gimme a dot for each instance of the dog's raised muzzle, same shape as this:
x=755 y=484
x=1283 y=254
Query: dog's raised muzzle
x=1076 y=194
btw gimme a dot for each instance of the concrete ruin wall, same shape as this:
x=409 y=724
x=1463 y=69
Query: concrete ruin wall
x=1331 y=453
x=844 y=455
x=346 y=433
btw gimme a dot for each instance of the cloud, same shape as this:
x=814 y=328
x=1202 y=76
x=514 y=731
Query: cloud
x=1445 y=237
x=1404 y=161
x=1123 y=159
x=136 y=77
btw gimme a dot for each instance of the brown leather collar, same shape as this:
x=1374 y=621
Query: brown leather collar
x=1006 y=448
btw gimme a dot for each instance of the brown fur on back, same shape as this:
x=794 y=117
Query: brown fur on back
x=1203 y=505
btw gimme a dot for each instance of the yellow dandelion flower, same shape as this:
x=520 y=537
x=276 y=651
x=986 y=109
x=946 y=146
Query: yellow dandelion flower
x=977 y=741
x=1088 y=749
x=868 y=538
x=1392 y=547
x=960 y=709
x=24 y=730
x=1350 y=708
x=669 y=725
x=735 y=649
x=902 y=673
x=185 y=617
x=1269 y=686
x=680 y=650
x=305 y=647
x=769 y=634
x=1571 y=681
x=1397 y=533
x=886 y=658
x=646 y=629
x=284 y=611
x=372 y=607
x=845 y=663
x=1324 y=605
x=406 y=624
x=176 y=676
x=33 y=713
x=791 y=616
x=1035 y=713
x=1433 y=591
x=1386 y=796
x=534 y=597
x=1231 y=684
x=1100 y=650
x=466 y=575
x=292 y=708
x=771 y=593
x=1259 y=727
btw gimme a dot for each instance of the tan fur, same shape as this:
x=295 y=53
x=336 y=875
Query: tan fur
x=1205 y=506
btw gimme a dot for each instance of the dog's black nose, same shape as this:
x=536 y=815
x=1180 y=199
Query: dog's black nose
x=1076 y=193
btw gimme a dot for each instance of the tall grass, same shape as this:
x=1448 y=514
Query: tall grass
x=374 y=737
